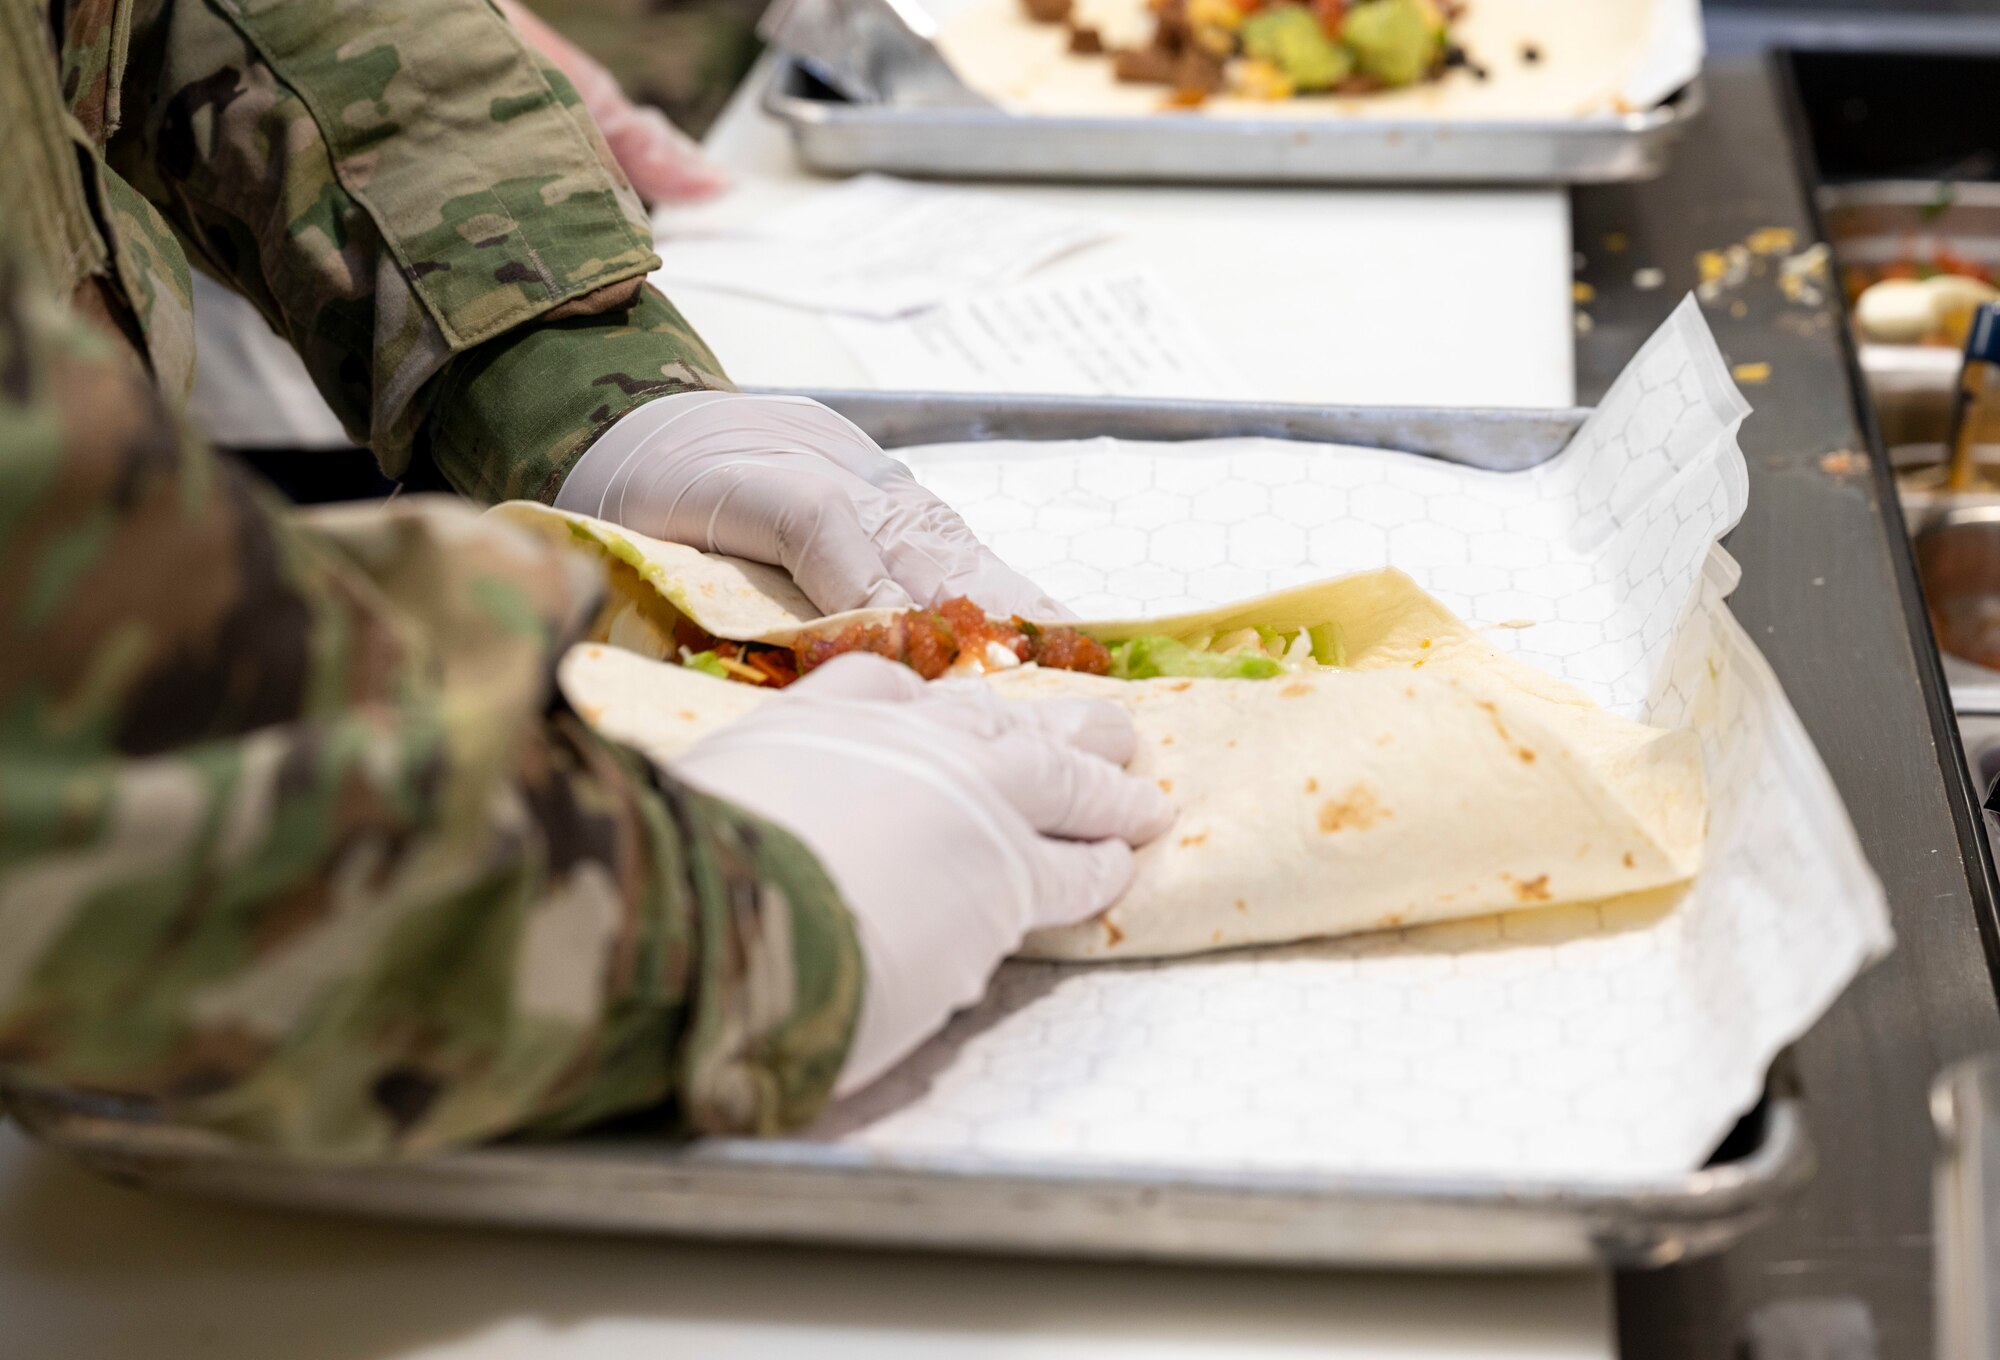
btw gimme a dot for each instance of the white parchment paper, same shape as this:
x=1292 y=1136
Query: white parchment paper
x=1617 y=1040
x=871 y=246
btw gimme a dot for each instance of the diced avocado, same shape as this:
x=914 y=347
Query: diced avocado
x=708 y=663
x=1390 y=40
x=1291 y=39
x=1155 y=657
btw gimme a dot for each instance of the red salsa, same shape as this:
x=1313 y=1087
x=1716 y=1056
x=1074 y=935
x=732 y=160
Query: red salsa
x=928 y=641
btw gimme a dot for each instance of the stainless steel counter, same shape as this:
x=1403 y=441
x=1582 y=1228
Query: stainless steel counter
x=1829 y=592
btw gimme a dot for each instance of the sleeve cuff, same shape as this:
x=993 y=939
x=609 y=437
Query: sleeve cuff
x=513 y=416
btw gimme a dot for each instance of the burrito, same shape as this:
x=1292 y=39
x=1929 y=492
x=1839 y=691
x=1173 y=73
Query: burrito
x=1345 y=756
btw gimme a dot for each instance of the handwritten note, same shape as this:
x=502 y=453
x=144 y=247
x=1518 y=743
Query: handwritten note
x=1117 y=335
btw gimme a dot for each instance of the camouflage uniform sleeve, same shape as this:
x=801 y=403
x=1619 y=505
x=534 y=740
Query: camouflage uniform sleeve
x=402 y=190
x=297 y=843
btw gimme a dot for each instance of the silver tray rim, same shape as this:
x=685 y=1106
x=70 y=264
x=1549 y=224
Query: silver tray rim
x=785 y=1190
x=1494 y=438
x=94 y=1124
x=793 y=1189
x=1677 y=109
x=1599 y=148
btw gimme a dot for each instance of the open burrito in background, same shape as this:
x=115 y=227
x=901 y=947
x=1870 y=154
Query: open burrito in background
x=1425 y=777
x=1524 y=59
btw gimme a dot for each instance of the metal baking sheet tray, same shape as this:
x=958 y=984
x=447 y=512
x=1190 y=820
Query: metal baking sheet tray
x=838 y=137
x=802 y=1190
x=779 y=1190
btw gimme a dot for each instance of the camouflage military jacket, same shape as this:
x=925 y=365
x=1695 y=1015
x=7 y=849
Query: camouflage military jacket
x=296 y=840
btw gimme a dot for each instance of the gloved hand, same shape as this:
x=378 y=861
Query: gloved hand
x=663 y=163
x=785 y=480
x=953 y=822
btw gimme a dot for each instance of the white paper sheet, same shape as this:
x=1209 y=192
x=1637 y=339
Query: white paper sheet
x=874 y=246
x=1120 y=334
x=1675 y=46
x=1616 y=1040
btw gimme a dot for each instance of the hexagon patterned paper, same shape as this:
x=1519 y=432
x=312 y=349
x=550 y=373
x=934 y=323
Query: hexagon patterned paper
x=1615 y=1040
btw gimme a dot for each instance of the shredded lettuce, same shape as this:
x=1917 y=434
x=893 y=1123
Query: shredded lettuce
x=1155 y=657
x=1329 y=648
x=1240 y=654
x=708 y=663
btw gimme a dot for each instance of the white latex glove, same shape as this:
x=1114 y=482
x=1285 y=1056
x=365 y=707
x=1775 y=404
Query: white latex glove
x=785 y=480
x=663 y=163
x=953 y=822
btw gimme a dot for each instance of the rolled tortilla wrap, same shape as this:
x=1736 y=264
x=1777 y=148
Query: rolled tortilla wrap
x=1428 y=778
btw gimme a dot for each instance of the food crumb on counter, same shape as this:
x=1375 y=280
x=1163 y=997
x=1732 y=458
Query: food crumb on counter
x=1757 y=372
x=1843 y=463
x=1771 y=240
x=1582 y=292
x=1649 y=278
x=1584 y=324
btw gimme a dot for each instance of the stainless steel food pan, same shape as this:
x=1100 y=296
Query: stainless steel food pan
x=838 y=137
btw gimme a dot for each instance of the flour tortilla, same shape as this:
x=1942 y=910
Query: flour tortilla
x=1431 y=778
x=1596 y=57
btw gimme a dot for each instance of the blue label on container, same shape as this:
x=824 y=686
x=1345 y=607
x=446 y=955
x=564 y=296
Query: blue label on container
x=1983 y=341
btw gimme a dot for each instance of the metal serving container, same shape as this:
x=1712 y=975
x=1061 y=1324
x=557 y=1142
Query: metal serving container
x=1877 y=223
x=1965 y=1107
x=838 y=137
x=799 y=1189
x=1957 y=541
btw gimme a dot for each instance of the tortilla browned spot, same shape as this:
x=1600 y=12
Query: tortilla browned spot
x=1358 y=808
x=1630 y=863
x=1112 y=934
x=1241 y=905
x=1195 y=838
x=1166 y=786
x=1530 y=889
x=1312 y=785
x=1295 y=689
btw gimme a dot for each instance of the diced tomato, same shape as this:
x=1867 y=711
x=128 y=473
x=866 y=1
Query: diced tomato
x=1065 y=649
x=1331 y=15
x=931 y=644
